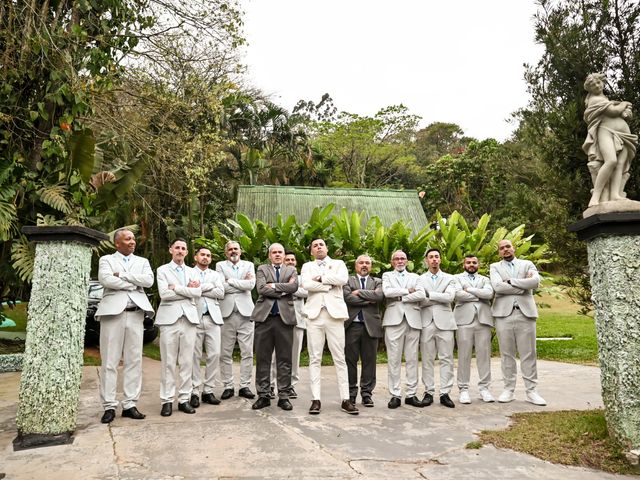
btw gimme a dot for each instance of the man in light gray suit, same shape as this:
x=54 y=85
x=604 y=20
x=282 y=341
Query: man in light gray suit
x=236 y=307
x=275 y=318
x=438 y=325
x=475 y=322
x=124 y=277
x=515 y=312
x=208 y=331
x=402 y=326
x=178 y=318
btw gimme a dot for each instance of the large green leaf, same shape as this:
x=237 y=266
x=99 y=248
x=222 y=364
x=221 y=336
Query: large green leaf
x=83 y=148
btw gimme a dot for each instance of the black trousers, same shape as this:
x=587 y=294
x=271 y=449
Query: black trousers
x=272 y=334
x=359 y=345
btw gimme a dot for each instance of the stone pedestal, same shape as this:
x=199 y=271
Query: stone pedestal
x=52 y=370
x=613 y=244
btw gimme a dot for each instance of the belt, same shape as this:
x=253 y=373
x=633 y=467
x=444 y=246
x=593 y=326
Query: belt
x=277 y=315
x=132 y=309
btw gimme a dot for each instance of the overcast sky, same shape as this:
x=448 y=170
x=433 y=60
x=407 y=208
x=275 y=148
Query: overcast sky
x=457 y=61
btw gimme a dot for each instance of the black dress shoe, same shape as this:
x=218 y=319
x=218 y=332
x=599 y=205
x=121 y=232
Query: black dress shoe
x=246 y=393
x=186 y=408
x=292 y=393
x=261 y=403
x=367 y=401
x=210 y=398
x=109 y=415
x=394 y=402
x=427 y=399
x=315 y=407
x=348 y=407
x=227 y=394
x=285 y=404
x=413 y=401
x=133 y=413
x=166 y=409
x=194 y=401
x=446 y=401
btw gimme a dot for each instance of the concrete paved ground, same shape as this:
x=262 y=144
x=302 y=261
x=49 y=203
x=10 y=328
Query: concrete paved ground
x=233 y=441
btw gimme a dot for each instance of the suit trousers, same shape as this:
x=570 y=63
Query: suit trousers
x=271 y=337
x=359 y=345
x=207 y=333
x=476 y=335
x=517 y=334
x=236 y=326
x=398 y=339
x=177 y=342
x=324 y=326
x=441 y=342
x=296 y=350
x=121 y=337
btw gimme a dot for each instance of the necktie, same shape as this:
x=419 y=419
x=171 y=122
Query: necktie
x=235 y=271
x=180 y=272
x=274 y=309
x=205 y=308
x=360 y=314
x=434 y=278
x=472 y=277
x=512 y=267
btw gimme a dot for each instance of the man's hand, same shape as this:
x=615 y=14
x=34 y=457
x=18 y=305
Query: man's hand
x=317 y=278
x=248 y=276
x=292 y=280
x=171 y=287
x=116 y=274
x=193 y=283
x=355 y=293
x=411 y=290
x=270 y=285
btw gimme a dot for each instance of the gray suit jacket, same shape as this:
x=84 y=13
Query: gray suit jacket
x=134 y=276
x=400 y=303
x=368 y=301
x=212 y=287
x=282 y=293
x=475 y=301
x=519 y=293
x=437 y=306
x=237 y=289
x=181 y=301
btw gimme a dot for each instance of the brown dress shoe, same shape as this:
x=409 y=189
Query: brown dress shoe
x=315 y=407
x=349 y=407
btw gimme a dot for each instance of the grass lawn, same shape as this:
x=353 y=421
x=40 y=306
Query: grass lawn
x=18 y=314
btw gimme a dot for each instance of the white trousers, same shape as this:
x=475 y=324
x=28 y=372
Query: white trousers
x=296 y=349
x=324 y=326
x=177 y=342
x=398 y=339
x=241 y=328
x=469 y=336
x=207 y=333
x=517 y=335
x=435 y=341
x=121 y=338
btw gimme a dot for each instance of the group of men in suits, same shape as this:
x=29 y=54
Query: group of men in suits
x=200 y=306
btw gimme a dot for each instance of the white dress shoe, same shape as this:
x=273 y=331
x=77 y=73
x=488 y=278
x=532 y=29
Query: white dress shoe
x=486 y=396
x=533 y=397
x=464 y=396
x=506 y=396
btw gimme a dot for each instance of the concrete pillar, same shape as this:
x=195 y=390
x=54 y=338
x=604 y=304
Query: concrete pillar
x=52 y=369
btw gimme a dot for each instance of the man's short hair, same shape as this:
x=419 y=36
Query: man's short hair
x=275 y=243
x=317 y=238
x=201 y=248
x=289 y=252
x=426 y=254
x=177 y=240
x=471 y=255
x=119 y=232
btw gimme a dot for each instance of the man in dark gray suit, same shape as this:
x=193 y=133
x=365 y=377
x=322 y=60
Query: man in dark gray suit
x=274 y=317
x=363 y=295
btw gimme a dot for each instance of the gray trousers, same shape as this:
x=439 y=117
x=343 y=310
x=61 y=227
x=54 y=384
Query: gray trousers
x=241 y=328
x=177 y=342
x=296 y=349
x=359 y=345
x=207 y=333
x=469 y=336
x=273 y=336
x=517 y=335
x=398 y=339
x=435 y=341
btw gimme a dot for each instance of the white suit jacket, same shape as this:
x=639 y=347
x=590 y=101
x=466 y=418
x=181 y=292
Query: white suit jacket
x=237 y=290
x=437 y=306
x=326 y=293
x=181 y=301
x=298 y=305
x=212 y=286
x=519 y=293
x=134 y=276
x=475 y=301
x=400 y=303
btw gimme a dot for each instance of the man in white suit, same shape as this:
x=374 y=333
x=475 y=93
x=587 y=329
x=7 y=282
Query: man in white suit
x=236 y=307
x=475 y=322
x=515 y=312
x=124 y=277
x=208 y=331
x=178 y=319
x=438 y=325
x=326 y=312
x=402 y=326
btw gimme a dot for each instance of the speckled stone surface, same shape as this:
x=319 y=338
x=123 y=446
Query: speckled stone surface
x=11 y=362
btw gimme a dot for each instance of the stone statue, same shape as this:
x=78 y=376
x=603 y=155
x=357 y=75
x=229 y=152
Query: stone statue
x=610 y=145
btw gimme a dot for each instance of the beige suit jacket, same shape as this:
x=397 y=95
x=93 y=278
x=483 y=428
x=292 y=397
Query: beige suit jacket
x=400 y=303
x=519 y=293
x=181 y=301
x=437 y=306
x=475 y=302
x=328 y=291
x=237 y=289
x=212 y=286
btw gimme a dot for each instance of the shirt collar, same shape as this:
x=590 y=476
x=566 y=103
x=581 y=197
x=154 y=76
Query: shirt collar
x=175 y=266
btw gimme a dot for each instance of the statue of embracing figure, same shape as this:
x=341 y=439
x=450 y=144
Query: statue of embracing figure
x=610 y=145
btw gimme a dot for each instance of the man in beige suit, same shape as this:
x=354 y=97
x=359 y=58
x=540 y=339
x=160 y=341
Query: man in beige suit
x=124 y=277
x=326 y=312
x=178 y=318
x=475 y=324
x=438 y=325
x=515 y=312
